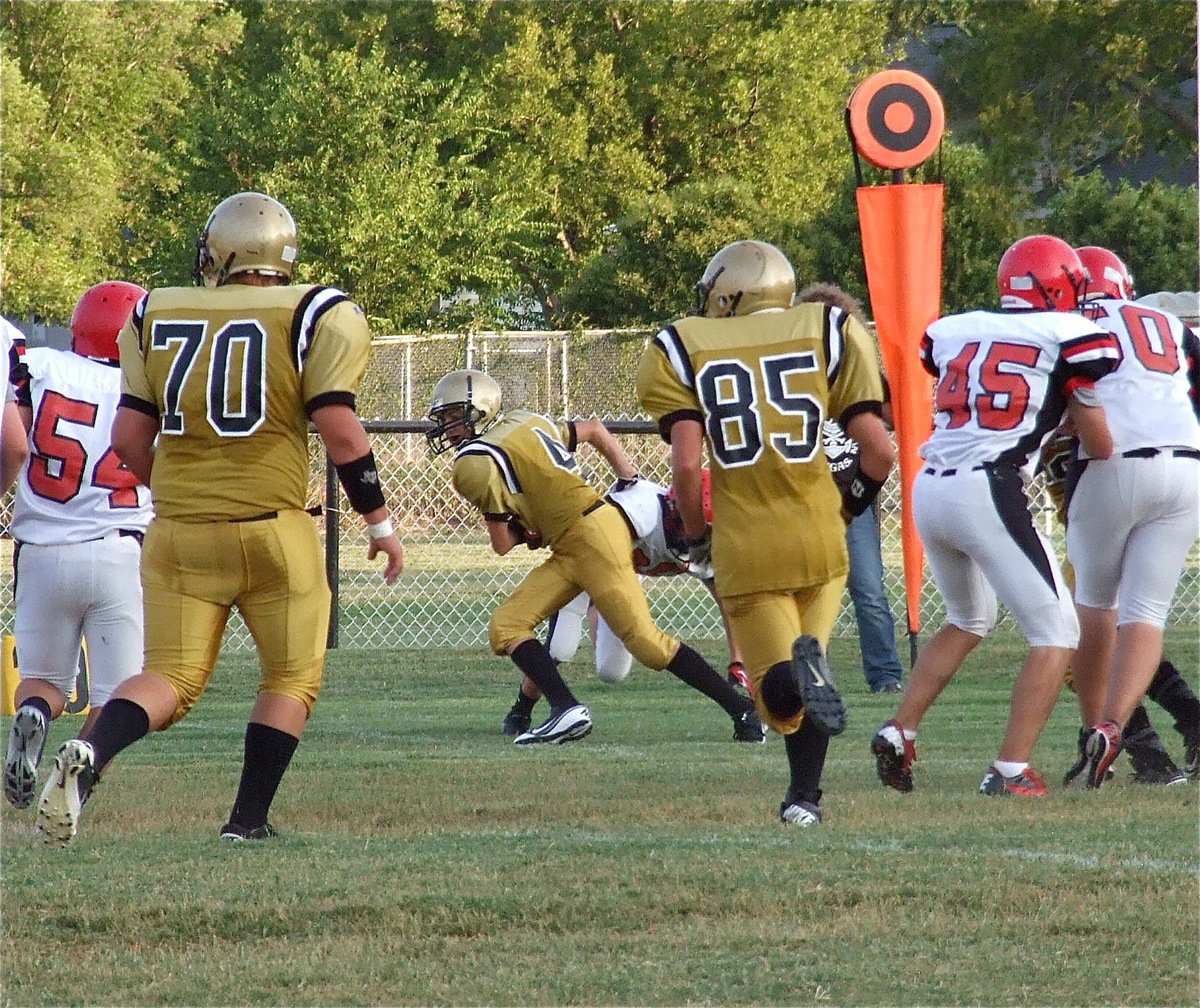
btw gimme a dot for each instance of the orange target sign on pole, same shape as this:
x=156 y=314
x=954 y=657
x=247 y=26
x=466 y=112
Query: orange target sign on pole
x=895 y=120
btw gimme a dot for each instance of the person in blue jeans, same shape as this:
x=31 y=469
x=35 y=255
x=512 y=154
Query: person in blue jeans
x=876 y=624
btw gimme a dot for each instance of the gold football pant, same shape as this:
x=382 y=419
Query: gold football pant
x=195 y=574
x=766 y=624
x=595 y=556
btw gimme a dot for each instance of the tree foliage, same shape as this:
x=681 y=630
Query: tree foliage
x=92 y=92
x=563 y=162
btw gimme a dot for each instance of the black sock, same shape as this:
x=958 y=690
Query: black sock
x=806 y=751
x=688 y=667
x=779 y=693
x=39 y=704
x=1139 y=730
x=532 y=658
x=121 y=723
x=1171 y=692
x=524 y=704
x=267 y=755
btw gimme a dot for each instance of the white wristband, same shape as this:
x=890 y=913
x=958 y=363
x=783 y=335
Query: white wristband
x=381 y=530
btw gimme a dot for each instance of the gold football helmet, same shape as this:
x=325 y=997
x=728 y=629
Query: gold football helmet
x=248 y=232
x=463 y=406
x=744 y=277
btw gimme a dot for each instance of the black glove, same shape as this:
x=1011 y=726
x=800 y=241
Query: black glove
x=532 y=540
x=859 y=492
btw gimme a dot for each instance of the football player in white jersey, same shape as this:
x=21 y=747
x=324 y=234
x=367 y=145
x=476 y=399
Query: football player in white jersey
x=78 y=521
x=658 y=551
x=14 y=447
x=1132 y=516
x=1004 y=381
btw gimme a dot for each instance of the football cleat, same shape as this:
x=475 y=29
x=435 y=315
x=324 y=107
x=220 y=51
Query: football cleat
x=564 y=725
x=894 y=756
x=748 y=727
x=1028 y=784
x=1191 y=747
x=26 y=741
x=736 y=674
x=1075 y=777
x=515 y=723
x=795 y=811
x=1152 y=765
x=822 y=702
x=1102 y=745
x=65 y=792
x=236 y=832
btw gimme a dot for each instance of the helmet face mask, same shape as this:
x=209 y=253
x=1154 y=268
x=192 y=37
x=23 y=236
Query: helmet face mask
x=745 y=277
x=99 y=316
x=463 y=406
x=1041 y=273
x=1108 y=276
x=247 y=232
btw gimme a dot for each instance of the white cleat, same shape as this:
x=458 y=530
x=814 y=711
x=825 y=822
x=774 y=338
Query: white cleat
x=65 y=792
x=565 y=725
x=25 y=744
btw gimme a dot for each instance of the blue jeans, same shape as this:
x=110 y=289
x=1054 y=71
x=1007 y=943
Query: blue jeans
x=876 y=626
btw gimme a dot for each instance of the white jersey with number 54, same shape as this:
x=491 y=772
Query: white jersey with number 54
x=74 y=487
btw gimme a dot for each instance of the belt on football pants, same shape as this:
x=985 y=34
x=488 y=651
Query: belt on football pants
x=1192 y=453
x=596 y=506
x=950 y=472
x=316 y=511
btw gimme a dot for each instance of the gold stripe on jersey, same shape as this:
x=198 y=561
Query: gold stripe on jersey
x=231 y=373
x=763 y=384
x=525 y=466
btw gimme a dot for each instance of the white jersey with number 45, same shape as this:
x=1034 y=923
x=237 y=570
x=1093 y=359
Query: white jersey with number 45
x=74 y=487
x=1003 y=381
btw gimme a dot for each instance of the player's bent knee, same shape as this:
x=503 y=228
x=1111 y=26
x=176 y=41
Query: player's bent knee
x=778 y=693
x=613 y=671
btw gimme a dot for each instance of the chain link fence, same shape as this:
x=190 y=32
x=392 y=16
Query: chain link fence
x=452 y=580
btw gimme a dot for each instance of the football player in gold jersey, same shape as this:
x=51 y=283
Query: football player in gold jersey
x=519 y=469
x=754 y=378
x=225 y=378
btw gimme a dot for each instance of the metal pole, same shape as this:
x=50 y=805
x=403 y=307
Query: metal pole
x=332 y=547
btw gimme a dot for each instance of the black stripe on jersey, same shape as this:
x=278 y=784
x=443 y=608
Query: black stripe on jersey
x=835 y=342
x=497 y=455
x=927 y=356
x=668 y=420
x=1012 y=505
x=670 y=343
x=1089 y=358
x=329 y=399
x=1191 y=356
x=138 y=318
x=1047 y=419
x=138 y=405
x=308 y=313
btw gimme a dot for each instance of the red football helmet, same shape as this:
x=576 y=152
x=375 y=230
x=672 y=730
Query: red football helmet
x=99 y=316
x=1041 y=272
x=1108 y=277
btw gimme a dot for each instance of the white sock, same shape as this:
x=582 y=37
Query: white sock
x=1009 y=768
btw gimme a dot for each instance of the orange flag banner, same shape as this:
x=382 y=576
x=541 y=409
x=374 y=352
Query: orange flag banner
x=895 y=121
x=902 y=245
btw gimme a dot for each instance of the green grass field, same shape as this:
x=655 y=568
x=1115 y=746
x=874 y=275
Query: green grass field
x=427 y=861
